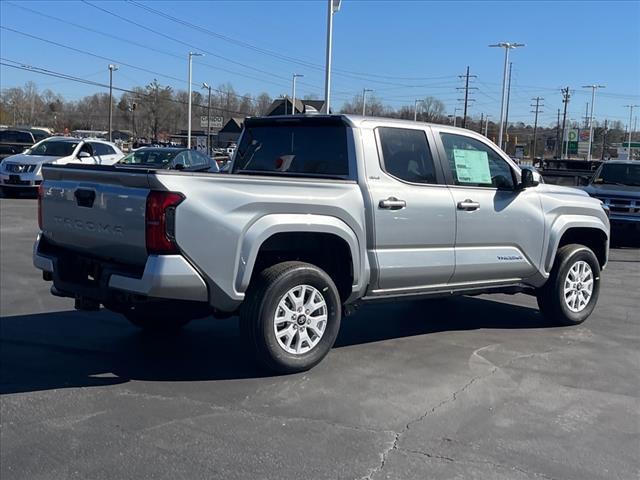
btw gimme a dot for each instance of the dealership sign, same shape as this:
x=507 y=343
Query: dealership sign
x=216 y=122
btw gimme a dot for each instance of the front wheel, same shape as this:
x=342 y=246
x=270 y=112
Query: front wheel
x=572 y=290
x=291 y=316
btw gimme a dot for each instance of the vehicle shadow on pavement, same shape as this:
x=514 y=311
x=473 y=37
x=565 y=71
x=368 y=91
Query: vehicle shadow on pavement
x=84 y=349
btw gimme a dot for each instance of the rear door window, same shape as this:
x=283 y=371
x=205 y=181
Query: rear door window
x=294 y=149
x=406 y=155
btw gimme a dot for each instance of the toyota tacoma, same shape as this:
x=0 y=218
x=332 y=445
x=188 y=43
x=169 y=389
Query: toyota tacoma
x=318 y=215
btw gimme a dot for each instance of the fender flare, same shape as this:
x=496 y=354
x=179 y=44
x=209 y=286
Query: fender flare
x=564 y=223
x=269 y=225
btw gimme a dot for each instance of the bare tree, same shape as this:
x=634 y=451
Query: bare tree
x=262 y=103
x=432 y=110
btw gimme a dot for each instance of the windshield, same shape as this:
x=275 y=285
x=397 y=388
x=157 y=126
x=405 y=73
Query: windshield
x=150 y=158
x=53 y=148
x=293 y=149
x=619 y=174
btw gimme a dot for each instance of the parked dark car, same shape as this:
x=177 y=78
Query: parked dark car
x=617 y=184
x=13 y=142
x=168 y=158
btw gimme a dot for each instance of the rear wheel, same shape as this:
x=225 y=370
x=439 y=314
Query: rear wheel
x=572 y=290
x=291 y=316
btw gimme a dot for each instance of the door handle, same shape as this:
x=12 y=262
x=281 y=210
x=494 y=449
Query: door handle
x=468 y=205
x=392 y=203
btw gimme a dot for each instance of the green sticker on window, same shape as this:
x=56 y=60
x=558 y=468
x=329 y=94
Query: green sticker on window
x=472 y=166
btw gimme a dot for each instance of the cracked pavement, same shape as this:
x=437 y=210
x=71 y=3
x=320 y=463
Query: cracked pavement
x=454 y=389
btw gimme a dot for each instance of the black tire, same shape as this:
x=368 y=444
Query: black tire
x=259 y=309
x=551 y=297
x=154 y=320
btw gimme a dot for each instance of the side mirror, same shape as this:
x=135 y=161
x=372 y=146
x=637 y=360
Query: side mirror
x=179 y=166
x=84 y=154
x=528 y=178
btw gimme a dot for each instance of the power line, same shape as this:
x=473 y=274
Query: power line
x=141 y=45
x=50 y=73
x=108 y=59
x=271 y=53
x=189 y=45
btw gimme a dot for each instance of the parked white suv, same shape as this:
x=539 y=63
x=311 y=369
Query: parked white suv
x=23 y=171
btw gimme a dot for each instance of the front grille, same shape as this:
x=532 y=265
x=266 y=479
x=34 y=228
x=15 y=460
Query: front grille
x=624 y=206
x=19 y=167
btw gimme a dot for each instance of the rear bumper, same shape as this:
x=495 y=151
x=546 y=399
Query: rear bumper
x=163 y=276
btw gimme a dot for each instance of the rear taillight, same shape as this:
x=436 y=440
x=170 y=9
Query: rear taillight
x=40 y=194
x=160 y=221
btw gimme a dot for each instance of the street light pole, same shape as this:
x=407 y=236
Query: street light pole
x=293 y=94
x=112 y=68
x=507 y=46
x=208 y=87
x=333 y=7
x=191 y=55
x=415 y=110
x=364 y=100
x=593 y=88
x=630 y=107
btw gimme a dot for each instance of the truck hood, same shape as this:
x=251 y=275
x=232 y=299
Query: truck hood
x=608 y=190
x=33 y=159
x=560 y=190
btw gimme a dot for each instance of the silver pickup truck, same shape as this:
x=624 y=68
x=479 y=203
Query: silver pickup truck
x=318 y=215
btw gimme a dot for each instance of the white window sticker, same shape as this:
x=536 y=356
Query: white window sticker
x=472 y=166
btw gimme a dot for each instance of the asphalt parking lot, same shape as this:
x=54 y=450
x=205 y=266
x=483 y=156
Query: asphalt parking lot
x=455 y=389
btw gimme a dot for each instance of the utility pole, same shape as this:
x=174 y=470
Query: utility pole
x=593 y=88
x=481 y=121
x=415 y=110
x=535 y=124
x=586 y=116
x=333 y=7
x=364 y=100
x=133 y=119
x=506 y=113
x=630 y=107
x=293 y=94
x=558 y=136
x=112 y=68
x=566 y=95
x=604 y=139
x=191 y=55
x=486 y=125
x=454 y=116
x=466 y=94
x=208 y=87
x=507 y=46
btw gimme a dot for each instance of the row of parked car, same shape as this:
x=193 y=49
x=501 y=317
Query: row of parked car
x=23 y=171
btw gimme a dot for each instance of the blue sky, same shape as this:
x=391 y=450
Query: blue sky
x=403 y=50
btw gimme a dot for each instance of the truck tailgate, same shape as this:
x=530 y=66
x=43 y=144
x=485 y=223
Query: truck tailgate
x=99 y=211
